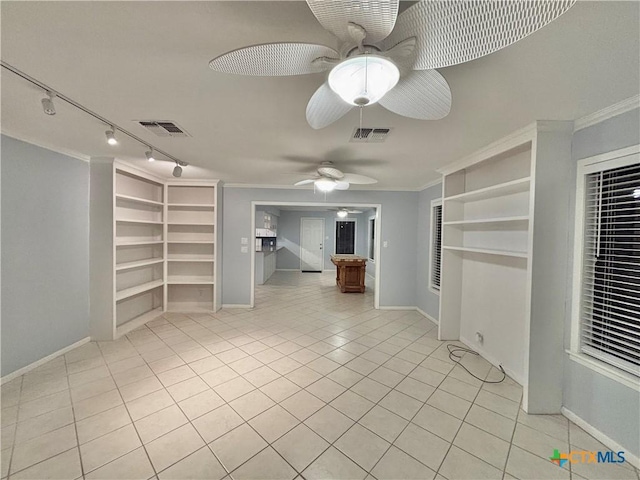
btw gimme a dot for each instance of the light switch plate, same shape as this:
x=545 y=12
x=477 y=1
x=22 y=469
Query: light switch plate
x=385 y=244
x=244 y=249
x=244 y=241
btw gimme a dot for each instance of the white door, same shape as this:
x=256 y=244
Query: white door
x=311 y=244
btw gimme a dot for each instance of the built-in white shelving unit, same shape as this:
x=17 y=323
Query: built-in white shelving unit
x=158 y=239
x=192 y=238
x=505 y=214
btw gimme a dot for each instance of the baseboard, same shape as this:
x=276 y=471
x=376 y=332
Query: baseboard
x=42 y=361
x=491 y=359
x=287 y=269
x=396 y=307
x=235 y=305
x=601 y=437
x=427 y=316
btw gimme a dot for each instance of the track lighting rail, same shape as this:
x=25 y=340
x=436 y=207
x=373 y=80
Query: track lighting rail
x=48 y=90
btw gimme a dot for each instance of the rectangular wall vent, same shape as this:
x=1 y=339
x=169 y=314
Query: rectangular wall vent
x=370 y=135
x=163 y=128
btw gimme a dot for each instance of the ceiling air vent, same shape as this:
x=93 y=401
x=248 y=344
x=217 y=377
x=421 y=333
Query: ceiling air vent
x=370 y=135
x=163 y=128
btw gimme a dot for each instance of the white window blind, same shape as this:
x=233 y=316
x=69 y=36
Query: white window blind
x=436 y=245
x=610 y=314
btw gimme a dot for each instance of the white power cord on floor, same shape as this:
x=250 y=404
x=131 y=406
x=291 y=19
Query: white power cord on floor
x=454 y=356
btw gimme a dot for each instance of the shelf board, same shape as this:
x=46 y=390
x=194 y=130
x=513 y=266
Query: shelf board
x=192 y=205
x=144 y=201
x=191 y=223
x=194 y=259
x=141 y=222
x=507 y=188
x=489 y=221
x=192 y=241
x=138 y=263
x=132 y=244
x=488 y=251
x=138 y=321
x=130 y=292
x=185 y=280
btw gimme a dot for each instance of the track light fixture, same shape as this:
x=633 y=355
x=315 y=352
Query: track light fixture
x=47 y=104
x=49 y=108
x=111 y=136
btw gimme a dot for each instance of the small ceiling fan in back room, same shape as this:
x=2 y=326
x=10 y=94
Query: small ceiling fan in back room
x=392 y=59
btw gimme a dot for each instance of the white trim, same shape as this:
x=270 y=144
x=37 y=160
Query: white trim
x=287 y=269
x=42 y=361
x=492 y=360
x=603 y=368
x=396 y=307
x=427 y=316
x=606 y=113
x=605 y=161
x=236 y=305
x=335 y=233
x=324 y=227
x=434 y=203
x=376 y=206
x=601 y=437
x=430 y=184
x=68 y=153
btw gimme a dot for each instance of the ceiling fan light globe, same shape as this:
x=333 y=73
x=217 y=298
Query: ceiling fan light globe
x=325 y=184
x=364 y=79
x=342 y=213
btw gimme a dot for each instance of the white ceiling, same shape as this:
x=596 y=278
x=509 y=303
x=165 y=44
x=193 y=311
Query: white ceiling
x=149 y=60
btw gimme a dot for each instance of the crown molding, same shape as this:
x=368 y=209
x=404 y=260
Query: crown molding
x=310 y=189
x=430 y=184
x=67 y=153
x=606 y=113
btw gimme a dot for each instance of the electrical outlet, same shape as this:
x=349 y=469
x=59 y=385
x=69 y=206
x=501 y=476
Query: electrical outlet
x=385 y=244
x=244 y=249
x=244 y=241
x=479 y=338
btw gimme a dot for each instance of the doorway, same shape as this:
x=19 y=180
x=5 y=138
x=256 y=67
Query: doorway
x=311 y=244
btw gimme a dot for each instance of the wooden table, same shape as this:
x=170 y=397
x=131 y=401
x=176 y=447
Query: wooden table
x=350 y=271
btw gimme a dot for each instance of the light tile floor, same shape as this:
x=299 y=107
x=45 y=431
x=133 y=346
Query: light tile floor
x=311 y=383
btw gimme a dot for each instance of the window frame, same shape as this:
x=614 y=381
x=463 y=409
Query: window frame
x=434 y=204
x=371 y=238
x=607 y=161
x=355 y=233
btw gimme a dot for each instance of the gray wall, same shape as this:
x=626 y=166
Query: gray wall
x=609 y=406
x=398 y=265
x=289 y=237
x=45 y=253
x=426 y=300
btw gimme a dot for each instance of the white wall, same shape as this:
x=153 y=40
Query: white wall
x=45 y=253
x=607 y=405
x=426 y=300
x=398 y=266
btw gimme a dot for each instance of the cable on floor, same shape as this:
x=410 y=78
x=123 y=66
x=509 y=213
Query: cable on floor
x=455 y=356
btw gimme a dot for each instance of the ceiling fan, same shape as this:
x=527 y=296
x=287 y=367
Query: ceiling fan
x=381 y=60
x=328 y=178
x=344 y=212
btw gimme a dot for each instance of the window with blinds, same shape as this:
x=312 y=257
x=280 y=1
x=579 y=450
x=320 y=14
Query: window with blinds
x=436 y=245
x=610 y=313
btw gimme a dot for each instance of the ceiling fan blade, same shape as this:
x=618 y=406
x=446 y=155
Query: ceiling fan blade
x=341 y=185
x=275 y=59
x=377 y=17
x=325 y=107
x=354 y=212
x=358 y=179
x=449 y=32
x=304 y=182
x=421 y=94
